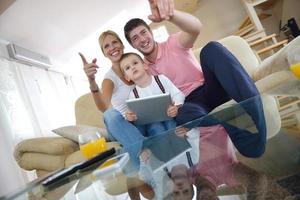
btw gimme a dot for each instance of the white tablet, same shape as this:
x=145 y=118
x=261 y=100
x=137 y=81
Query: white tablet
x=150 y=109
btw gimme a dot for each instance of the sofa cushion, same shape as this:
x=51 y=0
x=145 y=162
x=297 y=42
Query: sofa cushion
x=268 y=83
x=87 y=113
x=74 y=158
x=243 y=52
x=42 y=173
x=72 y=132
x=47 y=145
x=47 y=162
x=46 y=153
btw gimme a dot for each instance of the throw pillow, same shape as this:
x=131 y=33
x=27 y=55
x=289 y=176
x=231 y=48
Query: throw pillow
x=72 y=132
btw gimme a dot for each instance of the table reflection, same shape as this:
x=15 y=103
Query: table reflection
x=219 y=169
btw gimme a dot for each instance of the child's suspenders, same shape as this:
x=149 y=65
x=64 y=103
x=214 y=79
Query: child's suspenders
x=135 y=92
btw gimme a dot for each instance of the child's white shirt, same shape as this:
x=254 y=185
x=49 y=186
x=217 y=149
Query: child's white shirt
x=153 y=89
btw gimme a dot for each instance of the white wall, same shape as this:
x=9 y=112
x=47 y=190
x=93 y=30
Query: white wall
x=220 y=18
x=3 y=50
x=282 y=10
x=291 y=8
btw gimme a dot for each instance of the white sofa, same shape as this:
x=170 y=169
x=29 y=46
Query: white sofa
x=242 y=51
x=87 y=113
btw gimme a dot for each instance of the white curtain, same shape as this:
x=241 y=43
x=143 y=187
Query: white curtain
x=52 y=98
x=13 y=124
x=33 y=101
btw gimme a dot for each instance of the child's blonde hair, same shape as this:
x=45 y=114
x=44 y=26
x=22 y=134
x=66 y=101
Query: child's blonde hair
x=126 y=55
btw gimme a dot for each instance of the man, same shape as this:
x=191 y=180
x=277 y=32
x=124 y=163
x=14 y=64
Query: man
x=182 y=188
x=219 y=78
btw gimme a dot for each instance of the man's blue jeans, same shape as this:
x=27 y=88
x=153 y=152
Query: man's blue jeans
x=225 y=79
x=130 y=136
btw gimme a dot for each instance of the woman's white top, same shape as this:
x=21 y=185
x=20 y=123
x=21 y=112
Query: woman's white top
x=120 y=92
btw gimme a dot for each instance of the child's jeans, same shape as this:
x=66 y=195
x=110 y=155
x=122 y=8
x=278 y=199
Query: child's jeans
x=129 y=135
x=156 y=128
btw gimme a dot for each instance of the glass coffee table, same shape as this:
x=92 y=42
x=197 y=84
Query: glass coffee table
x=201 y=163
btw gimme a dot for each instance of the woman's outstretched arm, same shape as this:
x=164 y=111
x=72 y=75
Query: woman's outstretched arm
x=101 y=97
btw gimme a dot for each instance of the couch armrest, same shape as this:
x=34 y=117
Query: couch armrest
x=41 y=161
x=274 y=80
x=32 y=153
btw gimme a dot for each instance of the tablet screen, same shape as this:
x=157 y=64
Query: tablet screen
x=150 y=109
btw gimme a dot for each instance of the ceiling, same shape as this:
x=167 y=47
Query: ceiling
x=56 y=27
x=61 y=28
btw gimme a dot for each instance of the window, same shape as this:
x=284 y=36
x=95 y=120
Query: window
x=160 y=34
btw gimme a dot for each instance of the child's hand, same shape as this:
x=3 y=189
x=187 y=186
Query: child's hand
x=172 y=110
x=130 y=116
x=181 y=131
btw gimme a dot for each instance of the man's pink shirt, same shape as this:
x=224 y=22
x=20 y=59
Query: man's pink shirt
x=178 y=64
x=183 y=69
x=217 y=157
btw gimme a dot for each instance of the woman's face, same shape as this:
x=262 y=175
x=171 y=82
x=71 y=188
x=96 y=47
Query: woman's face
x=112 y=48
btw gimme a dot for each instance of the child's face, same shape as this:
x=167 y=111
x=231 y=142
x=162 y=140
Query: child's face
x=133 y=68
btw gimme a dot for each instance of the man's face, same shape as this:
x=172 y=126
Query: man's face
x=182 y=189
x=182 y=186
x=142 y=40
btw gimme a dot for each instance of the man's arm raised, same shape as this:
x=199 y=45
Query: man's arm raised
x=190 y=25
x=161 y=10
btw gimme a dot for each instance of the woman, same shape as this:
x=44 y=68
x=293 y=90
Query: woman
x=115 y=90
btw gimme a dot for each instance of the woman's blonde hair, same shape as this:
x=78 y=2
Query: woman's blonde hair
x=103 y=36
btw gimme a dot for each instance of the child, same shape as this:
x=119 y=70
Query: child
x=134 y=69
